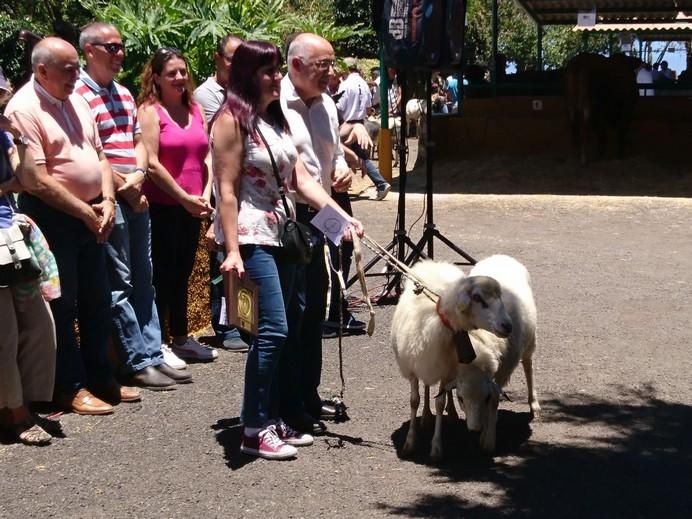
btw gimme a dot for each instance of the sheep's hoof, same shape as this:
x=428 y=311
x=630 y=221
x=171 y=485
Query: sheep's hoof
x=409 y=447
x=436 y=453
x=452 y=413
x=535 y=411
x=487 y=442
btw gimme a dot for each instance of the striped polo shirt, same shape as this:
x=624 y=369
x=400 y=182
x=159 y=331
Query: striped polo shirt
x=115 y=112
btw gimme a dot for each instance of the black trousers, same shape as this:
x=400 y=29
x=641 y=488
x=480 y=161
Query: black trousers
x=174 y=241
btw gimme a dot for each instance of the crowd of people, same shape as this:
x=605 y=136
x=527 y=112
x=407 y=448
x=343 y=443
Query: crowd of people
x=120 y=189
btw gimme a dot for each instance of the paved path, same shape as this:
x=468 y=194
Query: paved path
x=612 y=284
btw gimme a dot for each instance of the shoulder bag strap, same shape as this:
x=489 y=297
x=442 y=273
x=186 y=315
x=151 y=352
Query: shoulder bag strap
x=275 y=169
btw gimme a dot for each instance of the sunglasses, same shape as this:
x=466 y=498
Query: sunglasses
x=111 y=48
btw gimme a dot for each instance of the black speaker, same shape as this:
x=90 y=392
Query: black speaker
x=421 y=34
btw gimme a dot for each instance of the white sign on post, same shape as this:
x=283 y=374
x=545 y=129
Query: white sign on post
x=586 y=18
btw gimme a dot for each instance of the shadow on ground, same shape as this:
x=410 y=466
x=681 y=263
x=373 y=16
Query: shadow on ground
x=638 y=464
x=634 y=176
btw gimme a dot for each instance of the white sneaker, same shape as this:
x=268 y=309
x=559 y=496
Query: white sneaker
x=171 y=358
x=193 y=350
x=383 y=191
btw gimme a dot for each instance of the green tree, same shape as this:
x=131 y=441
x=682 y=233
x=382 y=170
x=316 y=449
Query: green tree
x=195 y=27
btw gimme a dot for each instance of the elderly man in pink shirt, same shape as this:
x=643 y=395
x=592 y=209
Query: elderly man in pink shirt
x=71 y=197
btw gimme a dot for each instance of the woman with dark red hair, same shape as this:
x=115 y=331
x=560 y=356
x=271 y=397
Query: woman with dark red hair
x=251 y=217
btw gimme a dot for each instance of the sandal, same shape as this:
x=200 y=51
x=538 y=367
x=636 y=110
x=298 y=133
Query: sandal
x=32 y=434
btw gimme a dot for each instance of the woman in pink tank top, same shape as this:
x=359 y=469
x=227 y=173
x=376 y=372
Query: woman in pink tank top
x=178 y=189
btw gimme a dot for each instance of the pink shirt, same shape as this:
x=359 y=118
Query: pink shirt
x=182 y=152
x=62 y=136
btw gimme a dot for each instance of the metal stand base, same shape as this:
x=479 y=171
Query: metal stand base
x=400 y=242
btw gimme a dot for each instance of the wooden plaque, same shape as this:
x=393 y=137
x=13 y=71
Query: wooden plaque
x=241 y=302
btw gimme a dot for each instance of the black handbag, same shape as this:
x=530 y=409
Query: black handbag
x=298 y=241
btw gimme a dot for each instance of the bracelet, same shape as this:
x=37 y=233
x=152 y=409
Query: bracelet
x=109 y=199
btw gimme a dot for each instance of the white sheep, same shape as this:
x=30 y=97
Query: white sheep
x=479 y=383
x=424 y=334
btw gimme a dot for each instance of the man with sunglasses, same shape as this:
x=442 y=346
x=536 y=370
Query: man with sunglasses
x=210 y=95
x=135 y=321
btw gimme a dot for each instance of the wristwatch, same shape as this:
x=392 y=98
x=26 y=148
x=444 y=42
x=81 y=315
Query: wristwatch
x=20 y=140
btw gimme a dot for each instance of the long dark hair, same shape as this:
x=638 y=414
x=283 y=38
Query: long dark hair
x=149 y=93
x=243 y=93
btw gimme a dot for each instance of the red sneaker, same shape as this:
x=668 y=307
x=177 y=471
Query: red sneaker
x=268 y=445
x=290 y=436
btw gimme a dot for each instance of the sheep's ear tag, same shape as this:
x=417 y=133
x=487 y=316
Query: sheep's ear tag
x=465 y=351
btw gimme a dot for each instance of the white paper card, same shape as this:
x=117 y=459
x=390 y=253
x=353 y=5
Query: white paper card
x=223 y=318
x=331 y=223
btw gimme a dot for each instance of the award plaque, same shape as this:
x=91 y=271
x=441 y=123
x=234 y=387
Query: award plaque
x=241 y=302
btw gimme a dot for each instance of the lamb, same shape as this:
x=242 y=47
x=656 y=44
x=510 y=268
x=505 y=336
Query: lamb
x=424 y=333
x=479 y=384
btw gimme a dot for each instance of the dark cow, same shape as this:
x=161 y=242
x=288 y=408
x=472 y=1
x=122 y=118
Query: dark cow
x=600 y=93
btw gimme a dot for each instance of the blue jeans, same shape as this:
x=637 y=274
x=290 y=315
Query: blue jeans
x=370 y=167
x=85 y=295
x=221 y=331
x=135 y=319
x=274 y=280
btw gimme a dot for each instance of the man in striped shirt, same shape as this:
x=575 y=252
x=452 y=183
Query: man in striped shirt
x=135 y=320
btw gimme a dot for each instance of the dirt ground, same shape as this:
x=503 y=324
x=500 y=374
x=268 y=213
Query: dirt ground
x=611 y=280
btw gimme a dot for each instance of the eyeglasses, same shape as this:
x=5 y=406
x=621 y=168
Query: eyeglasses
x=323 y=64
x=111 y=48
x=228 y=58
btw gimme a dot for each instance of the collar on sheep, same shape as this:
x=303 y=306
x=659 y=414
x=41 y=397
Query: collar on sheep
x=442 y=317
x=461 y=339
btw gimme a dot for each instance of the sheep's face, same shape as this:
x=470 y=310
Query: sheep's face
x=479 y=395
x=481 y=302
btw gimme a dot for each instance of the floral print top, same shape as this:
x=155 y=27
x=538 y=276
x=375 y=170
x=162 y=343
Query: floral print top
x=261 y=213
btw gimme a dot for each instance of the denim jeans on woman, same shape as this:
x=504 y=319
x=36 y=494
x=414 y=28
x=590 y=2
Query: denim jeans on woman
x=275 y=281
x=135 y=319
x=85 y=295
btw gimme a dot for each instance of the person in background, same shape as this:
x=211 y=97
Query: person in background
x=128 y=249
x=70 y=196
x=249 y=135
x=353 y=106
x=27 y=341
x=211 y=95
x=175 y=136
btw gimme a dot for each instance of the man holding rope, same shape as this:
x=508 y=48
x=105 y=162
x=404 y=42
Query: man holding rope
x=314 y=124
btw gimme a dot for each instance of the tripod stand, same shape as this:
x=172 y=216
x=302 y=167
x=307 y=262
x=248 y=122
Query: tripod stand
x=401 y=240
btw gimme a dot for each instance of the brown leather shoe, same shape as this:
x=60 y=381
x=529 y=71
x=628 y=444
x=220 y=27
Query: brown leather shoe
x=114 y=393
x=83 y=402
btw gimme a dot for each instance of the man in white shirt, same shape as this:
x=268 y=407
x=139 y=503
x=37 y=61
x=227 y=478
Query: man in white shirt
x=353 y=108
x=312 y=117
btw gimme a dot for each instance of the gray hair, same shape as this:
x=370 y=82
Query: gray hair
x=41 y=55
x=92 y=32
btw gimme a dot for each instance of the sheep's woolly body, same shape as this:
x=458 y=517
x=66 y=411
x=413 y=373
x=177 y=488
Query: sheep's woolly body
x=495 y=356
x=421 y=342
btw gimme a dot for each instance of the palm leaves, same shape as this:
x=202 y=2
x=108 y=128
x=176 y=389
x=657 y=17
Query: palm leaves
x=194 y=26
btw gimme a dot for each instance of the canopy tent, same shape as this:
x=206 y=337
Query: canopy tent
x=565 y=12
x=650 y=19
